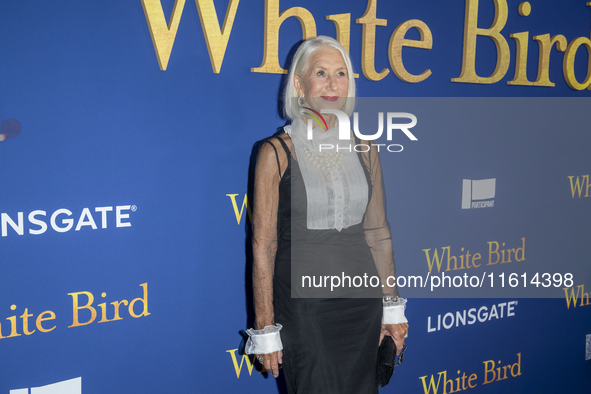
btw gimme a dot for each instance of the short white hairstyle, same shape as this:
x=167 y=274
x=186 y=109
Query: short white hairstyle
x=299 y=65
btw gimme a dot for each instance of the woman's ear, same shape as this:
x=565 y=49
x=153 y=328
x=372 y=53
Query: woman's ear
x=297 y=83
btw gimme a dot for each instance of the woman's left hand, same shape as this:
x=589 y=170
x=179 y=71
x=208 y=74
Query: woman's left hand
x=398 y=332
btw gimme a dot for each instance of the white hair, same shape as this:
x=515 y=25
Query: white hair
x=299 y=65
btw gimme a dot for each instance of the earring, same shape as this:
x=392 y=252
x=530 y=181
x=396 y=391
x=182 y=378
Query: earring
x=301 y=101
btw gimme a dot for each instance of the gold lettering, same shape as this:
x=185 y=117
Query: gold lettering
x=216 y=39
x=471 y=32
x=451 y=386
x=522 y=249
x=545 y=44
x=432 y=385
x=524 y=8
x=509 y=254
x=103 y=307
x=588 y=88
x=397 y=41
x=470 y=379
x=568 y=64
x=25 y=316
x=491 y=251
x=573 y=297
x=41 y=319
x=583 y=295
x=435 y=259
x=521 y=41
x=163 y=35
x=476 y=256
x=12 y=320
x=504 y=372
x=244 y=203
x=369 y=22
x=273 y=21
x=116 y=305
x=487 y=370
x=76 y=308
x=237 y=368
x=449 y=259
x=343 y=25
x=578 y=186
x=143 y=300
x=518 y=365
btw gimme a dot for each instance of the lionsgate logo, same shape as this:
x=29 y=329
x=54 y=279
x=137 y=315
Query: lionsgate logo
x=63 y=220
x=478 y=193
x=471 y=316
x=344 y=125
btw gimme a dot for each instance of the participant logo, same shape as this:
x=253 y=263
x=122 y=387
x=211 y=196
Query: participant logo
x=478 y=193
x=71 y=386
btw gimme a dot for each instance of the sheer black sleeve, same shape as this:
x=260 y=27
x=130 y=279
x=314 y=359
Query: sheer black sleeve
x=270 y=161
x=376 y=226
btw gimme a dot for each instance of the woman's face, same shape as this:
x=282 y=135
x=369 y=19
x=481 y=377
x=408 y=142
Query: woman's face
x=325 y=82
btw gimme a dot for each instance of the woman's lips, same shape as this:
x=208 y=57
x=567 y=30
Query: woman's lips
x=330 y=98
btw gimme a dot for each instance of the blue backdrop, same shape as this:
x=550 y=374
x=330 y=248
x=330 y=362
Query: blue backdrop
x=124 y=228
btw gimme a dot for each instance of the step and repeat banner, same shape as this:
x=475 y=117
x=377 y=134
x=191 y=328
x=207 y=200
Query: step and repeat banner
x=128 y=135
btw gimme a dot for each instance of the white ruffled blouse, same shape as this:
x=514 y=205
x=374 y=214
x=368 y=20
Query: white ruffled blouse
x=336 y=195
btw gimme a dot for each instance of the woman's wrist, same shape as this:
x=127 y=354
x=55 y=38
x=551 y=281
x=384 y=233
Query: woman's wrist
x=264 y=341
x=393 y=310
x=259 y=325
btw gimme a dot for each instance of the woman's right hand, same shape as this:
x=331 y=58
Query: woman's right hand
x=271 y=361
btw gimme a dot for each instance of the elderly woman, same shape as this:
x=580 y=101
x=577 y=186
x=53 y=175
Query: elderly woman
x=319 y=213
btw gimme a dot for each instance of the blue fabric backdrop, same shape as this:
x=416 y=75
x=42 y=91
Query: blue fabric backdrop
x=123 y=248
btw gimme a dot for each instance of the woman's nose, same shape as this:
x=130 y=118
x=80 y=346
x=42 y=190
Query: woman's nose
x=331 y=83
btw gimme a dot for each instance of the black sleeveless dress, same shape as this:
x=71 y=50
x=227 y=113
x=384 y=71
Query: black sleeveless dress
x=330 y=345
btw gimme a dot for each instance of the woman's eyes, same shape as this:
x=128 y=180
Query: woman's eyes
x=340 y=73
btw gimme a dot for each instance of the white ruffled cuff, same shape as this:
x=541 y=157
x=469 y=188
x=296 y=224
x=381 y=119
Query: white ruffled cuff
x=394 y=312
x=264 y=341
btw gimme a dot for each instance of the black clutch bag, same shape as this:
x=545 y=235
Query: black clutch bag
x=386 y=361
